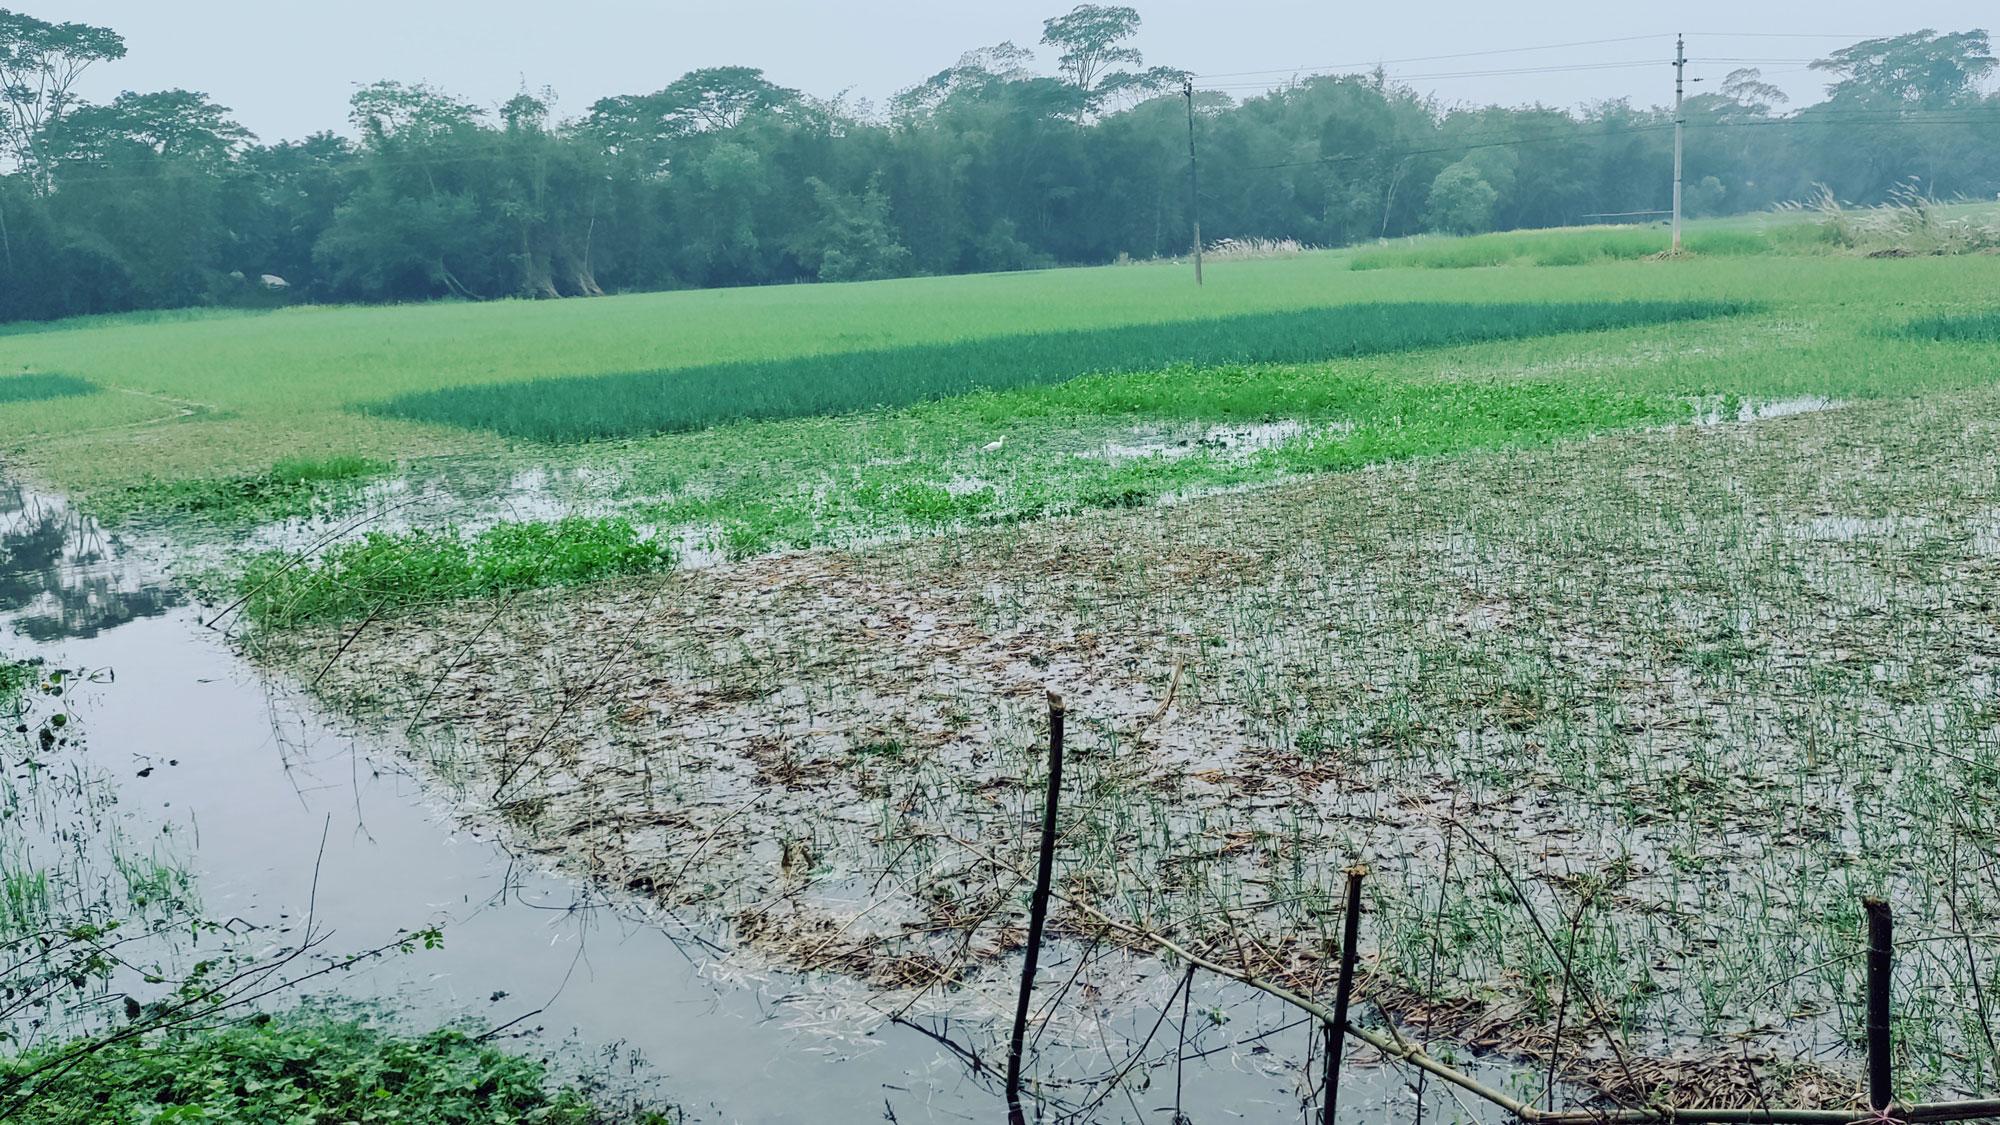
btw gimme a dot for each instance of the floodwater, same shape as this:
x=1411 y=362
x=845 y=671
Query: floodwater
x=282 y=817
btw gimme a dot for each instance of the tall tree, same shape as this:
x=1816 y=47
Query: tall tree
x=1092 y=39
x=720 y=97
x=723 y=177
x=173 y=124
x=1921 y=70
x=40 y=63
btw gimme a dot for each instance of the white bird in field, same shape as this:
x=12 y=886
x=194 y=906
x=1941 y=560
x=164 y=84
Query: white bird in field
x=994 y=446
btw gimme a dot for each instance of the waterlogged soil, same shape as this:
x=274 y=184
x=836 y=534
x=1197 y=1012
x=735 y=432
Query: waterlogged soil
x=187 y=777
x=1621 y=732
x=473 y=493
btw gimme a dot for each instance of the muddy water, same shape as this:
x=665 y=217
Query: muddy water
x=277 y=812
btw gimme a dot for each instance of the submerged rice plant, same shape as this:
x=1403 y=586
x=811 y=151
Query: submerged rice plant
x=294 y=486
x=645 y=402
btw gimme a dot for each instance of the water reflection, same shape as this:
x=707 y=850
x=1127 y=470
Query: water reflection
x=61 y=575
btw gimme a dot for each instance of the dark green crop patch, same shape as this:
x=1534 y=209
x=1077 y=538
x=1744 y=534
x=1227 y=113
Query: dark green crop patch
x=1963 y=328
x=37 y=386
x=647 y=402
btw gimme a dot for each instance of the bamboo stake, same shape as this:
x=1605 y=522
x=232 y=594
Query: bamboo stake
x=1038 y=912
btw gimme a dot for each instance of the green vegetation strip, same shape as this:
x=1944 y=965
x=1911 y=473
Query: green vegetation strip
x=34 y=387
x=1347 y=421
x=298 y=1068
x=645 y=402
x=1968 y=328
x=1374 y=421
x=1586 y=247
x=385 y=572
x=293 y=487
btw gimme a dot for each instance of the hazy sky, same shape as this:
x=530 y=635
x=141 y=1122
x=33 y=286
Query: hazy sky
x=288 y=66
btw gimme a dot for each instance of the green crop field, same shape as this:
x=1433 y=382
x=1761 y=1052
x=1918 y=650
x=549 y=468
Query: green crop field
x=1341 y=551
x=753 y=419
x=231 y=394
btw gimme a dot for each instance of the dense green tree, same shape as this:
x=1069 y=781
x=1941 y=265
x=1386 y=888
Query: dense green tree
x=171 y=124
x=852 y=238
x=1461 y=201
x=1921 y=70
x=722 y=177
x=40 y=63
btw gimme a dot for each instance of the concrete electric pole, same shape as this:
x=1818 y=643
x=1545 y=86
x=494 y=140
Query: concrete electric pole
x=1680 y=124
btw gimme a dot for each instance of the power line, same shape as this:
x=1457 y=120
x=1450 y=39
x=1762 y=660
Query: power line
x=1460 y=147
x=1624 y=131
x=1783 y=35
x=1554 y=68
x=1437 y=58
x=1372 y=63
x=1626 y=64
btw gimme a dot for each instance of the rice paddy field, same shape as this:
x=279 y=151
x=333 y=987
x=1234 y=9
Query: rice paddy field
x=1630 y=620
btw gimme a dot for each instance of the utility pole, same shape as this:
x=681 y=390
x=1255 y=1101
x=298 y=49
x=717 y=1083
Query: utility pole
x=1680 y=127
x=1194 y=177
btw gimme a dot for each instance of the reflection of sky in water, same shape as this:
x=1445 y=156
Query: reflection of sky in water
x=60 y=574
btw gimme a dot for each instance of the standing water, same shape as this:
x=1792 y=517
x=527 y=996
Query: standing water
x=287 y=825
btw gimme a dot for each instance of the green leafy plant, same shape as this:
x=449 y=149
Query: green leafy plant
x=302 y=1068
x=384 y=572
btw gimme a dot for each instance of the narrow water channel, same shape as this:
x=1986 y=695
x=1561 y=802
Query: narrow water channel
x=276 y=812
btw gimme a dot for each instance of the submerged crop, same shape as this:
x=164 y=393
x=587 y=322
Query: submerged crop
x=294 y=486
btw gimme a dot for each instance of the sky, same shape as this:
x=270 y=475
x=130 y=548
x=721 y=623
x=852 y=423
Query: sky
x=287 y=67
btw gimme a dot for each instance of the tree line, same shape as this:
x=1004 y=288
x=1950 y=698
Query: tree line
x=722 y=177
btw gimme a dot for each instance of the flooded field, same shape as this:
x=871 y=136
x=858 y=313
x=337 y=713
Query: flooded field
x=1626 y=652
x=275 y=822
x=1628 y=690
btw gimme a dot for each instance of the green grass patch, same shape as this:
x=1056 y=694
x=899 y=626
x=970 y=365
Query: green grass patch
x=1585 y=246
x=1076 y=448
x=647 y=402
x=1432 y=419
x=296 y=1068
x=36 y=386
x=295 y=486
x=1966 y=328
x=384 y=572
